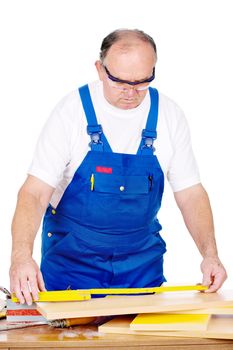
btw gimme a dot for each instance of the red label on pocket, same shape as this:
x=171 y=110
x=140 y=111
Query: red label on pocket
x=103 y=169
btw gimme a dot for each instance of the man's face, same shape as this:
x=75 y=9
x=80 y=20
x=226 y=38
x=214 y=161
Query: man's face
x=133 y=64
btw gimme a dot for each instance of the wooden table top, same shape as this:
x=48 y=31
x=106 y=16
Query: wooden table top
x=86 y=337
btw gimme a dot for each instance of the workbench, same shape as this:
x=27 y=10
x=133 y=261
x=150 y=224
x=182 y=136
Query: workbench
x=87 y=337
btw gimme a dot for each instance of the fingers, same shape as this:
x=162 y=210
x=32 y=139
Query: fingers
x=207 y=280
x=15 y=287
x=214 y=274
x=26 y=280
x=25 y=290
x=216 y=283
x=41 y=281
x=33 y=285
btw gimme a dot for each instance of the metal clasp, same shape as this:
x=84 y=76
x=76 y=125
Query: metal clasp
x=148 y=137
x=95 y=132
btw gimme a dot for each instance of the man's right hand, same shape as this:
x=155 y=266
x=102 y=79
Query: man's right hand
x=26 y=280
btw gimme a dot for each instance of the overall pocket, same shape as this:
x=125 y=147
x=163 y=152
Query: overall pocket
x=117 y=202
x=52 y=240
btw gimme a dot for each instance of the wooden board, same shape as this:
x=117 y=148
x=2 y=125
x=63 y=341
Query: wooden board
x=170 y=322
x=122 y=305
x=219 y=327
x=224 y=310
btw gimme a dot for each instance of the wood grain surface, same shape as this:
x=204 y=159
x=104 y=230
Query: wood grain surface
x=219 y=327
x=122 y=305
x=85 y=337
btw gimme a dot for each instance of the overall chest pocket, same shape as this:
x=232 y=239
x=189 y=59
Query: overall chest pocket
x=117 y=184
x=118 y=202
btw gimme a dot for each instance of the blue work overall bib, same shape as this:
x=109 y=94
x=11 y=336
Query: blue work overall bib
x=104 y=233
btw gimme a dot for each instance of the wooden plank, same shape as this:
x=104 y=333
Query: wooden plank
x=224 y=310
x=121 y=305
x=219 y=327
x=137 y=347
x=170 y=322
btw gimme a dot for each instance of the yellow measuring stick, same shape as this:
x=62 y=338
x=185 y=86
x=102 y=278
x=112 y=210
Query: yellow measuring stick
x=60 y=295
x=146 y=290
x=85 y=294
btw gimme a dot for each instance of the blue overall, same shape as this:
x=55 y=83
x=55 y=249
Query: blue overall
x=104 y=232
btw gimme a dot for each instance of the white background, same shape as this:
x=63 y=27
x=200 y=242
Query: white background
x=48 y=48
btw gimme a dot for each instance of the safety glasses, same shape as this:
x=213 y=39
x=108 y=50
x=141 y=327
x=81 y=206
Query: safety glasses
x=124 y=85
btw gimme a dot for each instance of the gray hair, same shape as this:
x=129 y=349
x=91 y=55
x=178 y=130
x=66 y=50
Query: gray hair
x=118 y=34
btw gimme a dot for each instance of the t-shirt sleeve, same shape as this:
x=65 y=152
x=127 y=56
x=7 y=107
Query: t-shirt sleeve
x=52 y=152
x=183 y=169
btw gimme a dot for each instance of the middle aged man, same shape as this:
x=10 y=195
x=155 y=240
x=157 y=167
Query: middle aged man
x=98 y=177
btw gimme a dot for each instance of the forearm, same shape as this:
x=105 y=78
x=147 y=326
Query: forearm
x=33 y=199
x=196 y=210
x=25 y=224
x=25 y=276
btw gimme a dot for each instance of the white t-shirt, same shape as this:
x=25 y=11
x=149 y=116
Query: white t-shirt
x=63 y=142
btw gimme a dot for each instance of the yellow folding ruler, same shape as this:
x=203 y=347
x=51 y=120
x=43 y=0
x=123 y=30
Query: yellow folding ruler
x=85 y=294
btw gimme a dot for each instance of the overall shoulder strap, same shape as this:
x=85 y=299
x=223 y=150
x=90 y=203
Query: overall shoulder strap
x=98 y=139
x=149 y=134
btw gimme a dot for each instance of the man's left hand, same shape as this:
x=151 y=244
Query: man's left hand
x=214 y=273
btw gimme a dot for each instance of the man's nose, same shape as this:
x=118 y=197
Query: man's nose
x=131 y=91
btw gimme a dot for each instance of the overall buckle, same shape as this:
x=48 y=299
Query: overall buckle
x=95 y=132
x=148 y=137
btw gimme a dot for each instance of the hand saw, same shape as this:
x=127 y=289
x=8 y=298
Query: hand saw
x=86 y=294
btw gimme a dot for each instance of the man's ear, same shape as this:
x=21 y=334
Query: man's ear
x=99 y=68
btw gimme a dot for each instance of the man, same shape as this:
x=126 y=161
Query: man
x=99 y=180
